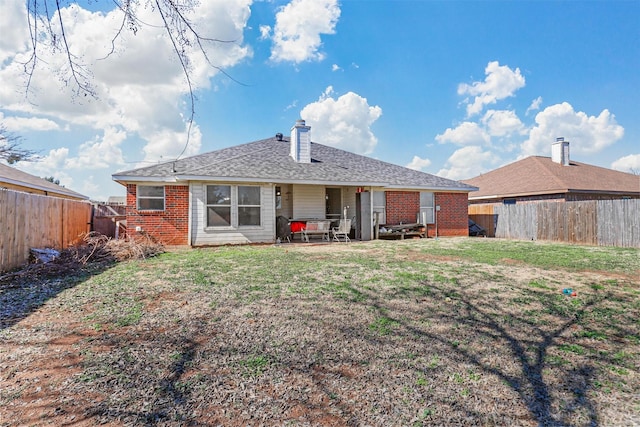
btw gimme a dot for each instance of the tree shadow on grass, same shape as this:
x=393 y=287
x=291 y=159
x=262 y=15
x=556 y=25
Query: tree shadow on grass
x=24 y=290
x=164 y=390
x=555 y=392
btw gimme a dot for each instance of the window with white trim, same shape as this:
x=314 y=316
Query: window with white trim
x=233 y=206
x=218 y=205
x=150 y=197
x=427 y=201
x=248 y=205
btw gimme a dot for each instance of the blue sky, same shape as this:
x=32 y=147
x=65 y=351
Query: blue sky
x=453 y=88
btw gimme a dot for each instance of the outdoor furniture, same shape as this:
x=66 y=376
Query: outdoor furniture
x=343 y=230
x=283 y=229
x=297 y=227
x=317 y=227
x=402 y=231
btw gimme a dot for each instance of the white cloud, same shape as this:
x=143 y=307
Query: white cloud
x=100 y=153
x=167 y=145
x=53 y=164
x=265 y=31
x=630 y=163
x=344 y=122
x=419 y=164
x=501 y=82
x=467 y=162
x=140 y=86
x=466 y=133
x=534 y=106
x=140 y=81
x=17 y=124
x=335 y=67
x=502 y=122
x=298 y=28
x=14 y=36
x=587 y=134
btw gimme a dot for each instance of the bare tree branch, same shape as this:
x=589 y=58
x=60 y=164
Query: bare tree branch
x=10 y=150
x=44 y=17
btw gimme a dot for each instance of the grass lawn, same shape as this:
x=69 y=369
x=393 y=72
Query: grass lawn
x=384 y=333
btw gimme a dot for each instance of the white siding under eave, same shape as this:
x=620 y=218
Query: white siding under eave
x=203 y=236
x=309 y=201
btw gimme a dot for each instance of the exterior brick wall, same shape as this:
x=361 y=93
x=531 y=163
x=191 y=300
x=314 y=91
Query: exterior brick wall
x=453 y=217
x=171 y=226
x=402 y=206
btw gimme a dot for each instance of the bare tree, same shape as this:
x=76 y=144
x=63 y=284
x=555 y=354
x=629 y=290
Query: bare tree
x=10 y=150
x=47 y=32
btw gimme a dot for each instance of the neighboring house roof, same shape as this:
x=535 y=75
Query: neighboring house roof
x=14 y=178
x=538 y=175
x=268 y=160
x=117 y=200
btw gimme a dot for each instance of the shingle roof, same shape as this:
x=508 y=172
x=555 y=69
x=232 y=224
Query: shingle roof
x=537 y=175
x=10 y=175
x=268 y=160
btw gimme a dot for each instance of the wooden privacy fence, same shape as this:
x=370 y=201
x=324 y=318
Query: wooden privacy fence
x=593 y=222
x=35 y=221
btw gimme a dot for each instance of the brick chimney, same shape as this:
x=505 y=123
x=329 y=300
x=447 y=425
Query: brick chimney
x=560 y=151
x=301 y=142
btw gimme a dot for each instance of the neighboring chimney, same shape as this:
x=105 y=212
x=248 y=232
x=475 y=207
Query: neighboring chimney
x=560 y=151
x=301 y=142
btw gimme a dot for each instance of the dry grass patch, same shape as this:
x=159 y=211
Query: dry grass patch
x=378 y=333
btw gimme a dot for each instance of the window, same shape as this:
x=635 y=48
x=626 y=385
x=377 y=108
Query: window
x=379 y=202
x=248 y=206
x=278 y=198
x=218 y=205
x=150 y=198
x=427 y=201
x=233 y=206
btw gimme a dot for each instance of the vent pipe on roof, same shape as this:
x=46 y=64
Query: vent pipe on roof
x=301 y=142
x=560 y=152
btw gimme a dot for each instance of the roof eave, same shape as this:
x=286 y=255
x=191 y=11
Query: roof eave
x=618 y=192
x=279 y=180
x=462 y=189
x=543 y=193
x=525 y=194
x=130 y=179
x=122 y=179
x=62 y=191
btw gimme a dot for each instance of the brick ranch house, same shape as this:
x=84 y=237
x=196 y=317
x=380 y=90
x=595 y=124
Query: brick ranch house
x=536 y=179
x=555 y=178
x=234 y=195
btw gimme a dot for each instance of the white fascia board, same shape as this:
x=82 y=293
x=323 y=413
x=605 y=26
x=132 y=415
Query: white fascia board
x=144 y=179
x=434 y=189
x=482 y=197
x=278 y=181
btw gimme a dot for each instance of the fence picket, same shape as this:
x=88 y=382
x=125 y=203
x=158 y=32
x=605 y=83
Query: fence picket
x=36 y=221
x=591 y=222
